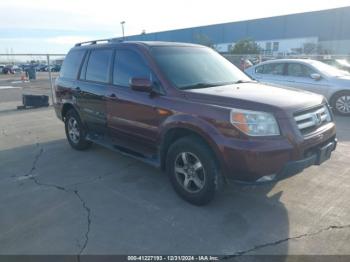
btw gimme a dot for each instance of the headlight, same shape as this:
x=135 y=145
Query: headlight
x=254 y=123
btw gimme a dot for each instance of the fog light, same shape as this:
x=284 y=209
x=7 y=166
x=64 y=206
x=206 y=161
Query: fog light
x=266 y=178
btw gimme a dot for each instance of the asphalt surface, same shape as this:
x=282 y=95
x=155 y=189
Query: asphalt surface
x=55 y=200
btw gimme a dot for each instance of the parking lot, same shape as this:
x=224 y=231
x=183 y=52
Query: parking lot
x=55 y=200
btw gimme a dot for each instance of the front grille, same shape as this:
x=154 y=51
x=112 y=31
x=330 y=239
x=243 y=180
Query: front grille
x=309 y=120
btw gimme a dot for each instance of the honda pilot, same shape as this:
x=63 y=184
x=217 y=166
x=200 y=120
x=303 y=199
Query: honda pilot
x=187 y=110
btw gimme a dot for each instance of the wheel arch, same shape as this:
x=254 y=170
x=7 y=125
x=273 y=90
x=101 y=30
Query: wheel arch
x=172 y=134
x=66 y=107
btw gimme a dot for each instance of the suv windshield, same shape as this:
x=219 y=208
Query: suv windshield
x=196 y=67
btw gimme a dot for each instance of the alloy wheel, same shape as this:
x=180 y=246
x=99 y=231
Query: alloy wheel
x=343 y=104
x=189 y=172
x=73 y=130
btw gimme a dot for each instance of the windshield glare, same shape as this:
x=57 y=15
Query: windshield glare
x=328 y=70
x=196 y=67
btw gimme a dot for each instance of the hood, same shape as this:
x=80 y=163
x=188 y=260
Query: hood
x=256 y=96
x=344 y=78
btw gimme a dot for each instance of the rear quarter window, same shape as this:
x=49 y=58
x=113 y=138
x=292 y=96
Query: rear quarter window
x=71 y=64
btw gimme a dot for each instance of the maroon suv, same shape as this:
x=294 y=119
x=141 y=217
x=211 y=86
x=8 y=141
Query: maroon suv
x=186 y=109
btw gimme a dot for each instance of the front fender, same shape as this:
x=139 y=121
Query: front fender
x=196 y=125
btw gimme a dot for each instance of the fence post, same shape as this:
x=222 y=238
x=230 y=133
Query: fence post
x=50 y=77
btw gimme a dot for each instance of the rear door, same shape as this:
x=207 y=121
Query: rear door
x=299 y=76
x=92 y=87
x=133 y=118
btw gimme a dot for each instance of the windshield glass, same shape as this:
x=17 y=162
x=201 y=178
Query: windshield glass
x=196 y=67
x=328 y=70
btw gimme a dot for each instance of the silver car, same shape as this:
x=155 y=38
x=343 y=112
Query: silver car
x=310 y=75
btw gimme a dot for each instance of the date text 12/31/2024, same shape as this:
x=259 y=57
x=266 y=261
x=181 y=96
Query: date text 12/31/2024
x=172 y=258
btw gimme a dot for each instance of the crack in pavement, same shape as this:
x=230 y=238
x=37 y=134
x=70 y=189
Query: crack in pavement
x=275 y=243
x=75 y=192
x=88 y=211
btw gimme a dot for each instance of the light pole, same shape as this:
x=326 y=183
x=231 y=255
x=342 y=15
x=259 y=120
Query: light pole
x=122 y=24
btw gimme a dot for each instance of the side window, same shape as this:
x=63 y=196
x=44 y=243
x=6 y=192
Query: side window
x=129 y=64
x=273 y=69
x=71 y=64
x=259 y=69
x=299 y=70
x=98 y=65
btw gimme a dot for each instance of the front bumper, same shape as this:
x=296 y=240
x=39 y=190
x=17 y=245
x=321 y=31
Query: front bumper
x=291 y=168
x=251 y=160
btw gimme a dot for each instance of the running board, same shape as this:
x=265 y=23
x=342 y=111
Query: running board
x=107 y=143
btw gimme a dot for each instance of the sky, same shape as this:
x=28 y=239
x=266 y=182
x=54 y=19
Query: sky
x=41 y=26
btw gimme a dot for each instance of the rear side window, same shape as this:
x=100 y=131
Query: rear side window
x=99 y=65
x=71 y=64
x=273 y=69
x=129 y=64
x=299 y=70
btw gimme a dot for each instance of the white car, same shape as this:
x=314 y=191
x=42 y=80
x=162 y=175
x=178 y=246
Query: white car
x=310 y=75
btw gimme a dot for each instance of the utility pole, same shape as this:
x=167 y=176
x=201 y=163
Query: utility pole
x=122 y=24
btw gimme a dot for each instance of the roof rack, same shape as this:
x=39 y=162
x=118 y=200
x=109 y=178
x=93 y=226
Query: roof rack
x=94 y=42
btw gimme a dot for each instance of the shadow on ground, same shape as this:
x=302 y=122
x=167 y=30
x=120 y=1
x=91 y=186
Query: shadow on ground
x=61 y=201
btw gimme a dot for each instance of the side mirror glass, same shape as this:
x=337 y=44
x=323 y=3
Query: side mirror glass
x=141 y=84
x=316 y=76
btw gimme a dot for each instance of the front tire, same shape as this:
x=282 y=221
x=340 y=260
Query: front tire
x=75 y=131
x=341 y=103
x=192 y=170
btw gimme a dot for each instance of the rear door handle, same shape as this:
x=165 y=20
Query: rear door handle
x=113 y=96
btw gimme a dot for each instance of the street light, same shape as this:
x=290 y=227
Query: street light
x=122 y=24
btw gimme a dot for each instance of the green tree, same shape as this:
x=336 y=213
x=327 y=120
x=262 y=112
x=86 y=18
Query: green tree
x=245 y=47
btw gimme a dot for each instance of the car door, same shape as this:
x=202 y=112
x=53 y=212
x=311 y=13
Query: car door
x=299 y=76
x=133 y=118
x=92 y=88
x=271 y=73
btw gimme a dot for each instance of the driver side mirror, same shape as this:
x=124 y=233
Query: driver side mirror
x=141 y=84
x=316 y=76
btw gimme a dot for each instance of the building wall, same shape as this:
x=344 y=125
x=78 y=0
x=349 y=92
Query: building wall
x=330 y=27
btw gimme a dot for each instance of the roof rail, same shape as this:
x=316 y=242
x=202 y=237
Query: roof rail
x=94 y=42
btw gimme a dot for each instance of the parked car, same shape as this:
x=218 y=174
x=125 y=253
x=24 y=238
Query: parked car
x=187 y=110
x=11 y=69
x=310 y=75
x=55 y=68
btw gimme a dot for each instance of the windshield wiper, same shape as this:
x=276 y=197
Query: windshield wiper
x=244 y=81
x=199 y=85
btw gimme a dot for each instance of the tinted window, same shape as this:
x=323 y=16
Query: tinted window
x=190 y=67
x=129 y=64
x=71 y=64
x=259 y=69
x=98 y=65
x=273 y=69
x=299 y=70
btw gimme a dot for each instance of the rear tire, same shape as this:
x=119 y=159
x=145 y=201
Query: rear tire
x=75 y=131
x=341 y=103
x=192 y=170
